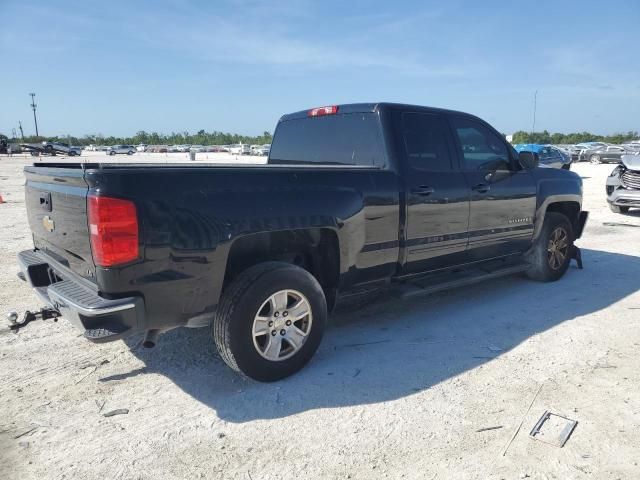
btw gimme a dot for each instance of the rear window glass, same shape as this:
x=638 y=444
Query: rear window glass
x=343 y=139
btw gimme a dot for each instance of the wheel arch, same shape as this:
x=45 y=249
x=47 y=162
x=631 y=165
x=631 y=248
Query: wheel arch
x=568 y=205
x=317 y=250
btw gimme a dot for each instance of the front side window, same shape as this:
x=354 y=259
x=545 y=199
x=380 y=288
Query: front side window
x=425 y=142
x=481 y=148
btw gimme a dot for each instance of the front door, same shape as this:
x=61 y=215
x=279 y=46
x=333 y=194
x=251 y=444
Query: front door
x=503 y=195
x=437 y=197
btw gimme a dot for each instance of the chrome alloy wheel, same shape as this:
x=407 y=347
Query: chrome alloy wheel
x=282 y=325
x=558 y=248
x=595 y=159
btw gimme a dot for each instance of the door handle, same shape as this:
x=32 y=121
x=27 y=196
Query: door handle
x=481 y=188
x=422 y=190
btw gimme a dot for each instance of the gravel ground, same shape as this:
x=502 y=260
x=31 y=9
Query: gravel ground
x=398 y=389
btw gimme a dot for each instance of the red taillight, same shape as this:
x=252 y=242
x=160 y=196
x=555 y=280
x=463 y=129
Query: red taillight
x=113 y=228
x=320 y=111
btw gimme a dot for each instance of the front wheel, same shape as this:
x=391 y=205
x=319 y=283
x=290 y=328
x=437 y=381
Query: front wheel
x=595 y=159
x=112 y=152
x=129 y=152
x=270 y=321
x=551 y=254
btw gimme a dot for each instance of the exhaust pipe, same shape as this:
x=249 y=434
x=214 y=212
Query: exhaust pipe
x=150 y=338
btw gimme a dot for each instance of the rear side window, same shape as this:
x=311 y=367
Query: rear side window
x=343 y=139
x=425 y=142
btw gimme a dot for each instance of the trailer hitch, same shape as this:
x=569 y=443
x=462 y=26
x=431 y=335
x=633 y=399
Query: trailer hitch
x=45 y=313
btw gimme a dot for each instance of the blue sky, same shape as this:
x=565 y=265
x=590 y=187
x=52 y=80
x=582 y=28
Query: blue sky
x=116 y=67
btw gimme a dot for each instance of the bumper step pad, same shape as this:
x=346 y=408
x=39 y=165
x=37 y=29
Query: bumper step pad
x=105 y=332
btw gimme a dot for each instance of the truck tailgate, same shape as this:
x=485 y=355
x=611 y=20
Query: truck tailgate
x=56 y=201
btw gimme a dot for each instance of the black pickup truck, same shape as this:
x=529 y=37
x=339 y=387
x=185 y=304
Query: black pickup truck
x=354 y=198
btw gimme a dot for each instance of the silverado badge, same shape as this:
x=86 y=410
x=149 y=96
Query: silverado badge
x=48 y=224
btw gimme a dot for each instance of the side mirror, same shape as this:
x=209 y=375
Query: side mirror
x=528 y=160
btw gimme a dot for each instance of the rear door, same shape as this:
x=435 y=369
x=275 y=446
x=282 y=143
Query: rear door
x=503 y=196
x=437 y=196
x=56 y=201
x=614 y=154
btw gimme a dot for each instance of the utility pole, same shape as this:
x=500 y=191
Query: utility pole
x=14 y=134
x=21 y=131
x=535 y=104
x=33 y=106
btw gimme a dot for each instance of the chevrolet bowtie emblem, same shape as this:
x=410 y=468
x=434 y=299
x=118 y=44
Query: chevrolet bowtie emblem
x=47 y=223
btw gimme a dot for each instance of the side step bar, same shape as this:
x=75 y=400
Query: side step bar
x=444 y=281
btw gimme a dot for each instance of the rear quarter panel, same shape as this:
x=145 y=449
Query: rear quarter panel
x=191 y=216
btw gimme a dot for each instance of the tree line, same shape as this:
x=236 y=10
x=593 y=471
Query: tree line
x=154 y=138
x=545 y=137
x=222 y=138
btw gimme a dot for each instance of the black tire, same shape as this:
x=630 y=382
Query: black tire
x=72 y=153
x=543 y=267
x=618 y=209
x=112 y=152
x=595 y=159
x=48 y=149
x=129 y=152
x=241 y=302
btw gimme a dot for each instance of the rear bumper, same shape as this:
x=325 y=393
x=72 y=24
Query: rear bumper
x=101 y=319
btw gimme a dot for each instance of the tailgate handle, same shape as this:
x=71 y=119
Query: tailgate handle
x=45 y=201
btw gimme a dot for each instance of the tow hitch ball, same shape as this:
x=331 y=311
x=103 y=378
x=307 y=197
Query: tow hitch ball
x=45 y=313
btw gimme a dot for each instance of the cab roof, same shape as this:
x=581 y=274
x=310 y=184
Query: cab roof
x=365 y=108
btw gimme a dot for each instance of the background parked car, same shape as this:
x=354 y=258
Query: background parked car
x=216 y=148
x=61 y=147
x=584 y=146
x=623 y=185
x=632 y=147
x=572 y=150
x=261 y=150
x=549 y=155
x=239 y=149
x=126 y=149
x=142 y=147
x=610 y=153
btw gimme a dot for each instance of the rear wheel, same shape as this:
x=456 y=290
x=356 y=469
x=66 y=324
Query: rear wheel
x=270 y=321
x=551 y=254
x=618 y=209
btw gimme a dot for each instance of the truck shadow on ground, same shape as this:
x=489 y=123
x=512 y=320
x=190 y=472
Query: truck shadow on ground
x=395 y=348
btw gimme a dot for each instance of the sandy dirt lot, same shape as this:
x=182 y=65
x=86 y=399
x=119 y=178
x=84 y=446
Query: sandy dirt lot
x=399 y=389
